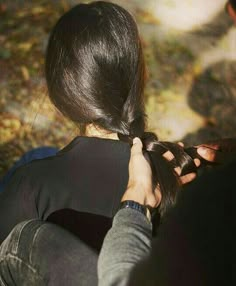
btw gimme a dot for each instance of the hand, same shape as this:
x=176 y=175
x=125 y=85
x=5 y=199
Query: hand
x=185 y=178
x=218 y=151
x=140 y=187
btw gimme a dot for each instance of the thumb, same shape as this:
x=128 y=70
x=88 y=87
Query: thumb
x=137 y=147
x=212 y=155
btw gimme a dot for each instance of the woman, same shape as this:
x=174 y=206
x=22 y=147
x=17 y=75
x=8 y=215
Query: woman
x=95 y=75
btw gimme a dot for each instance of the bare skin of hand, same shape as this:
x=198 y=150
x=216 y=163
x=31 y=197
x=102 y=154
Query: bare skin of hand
x=140 y=179
x=140 y=183
x=218 y=151
x=188 y=177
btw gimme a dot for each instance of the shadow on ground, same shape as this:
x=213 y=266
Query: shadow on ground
x=213 y=96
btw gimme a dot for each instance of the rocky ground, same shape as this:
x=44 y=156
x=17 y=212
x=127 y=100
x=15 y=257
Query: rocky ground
x=190 y=94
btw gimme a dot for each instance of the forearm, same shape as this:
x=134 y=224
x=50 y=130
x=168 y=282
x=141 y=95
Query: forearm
x=127 y=242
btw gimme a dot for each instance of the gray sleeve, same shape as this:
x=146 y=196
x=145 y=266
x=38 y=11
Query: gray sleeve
x=126 y=243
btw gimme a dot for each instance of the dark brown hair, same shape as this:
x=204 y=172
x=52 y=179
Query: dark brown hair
x=95 y=74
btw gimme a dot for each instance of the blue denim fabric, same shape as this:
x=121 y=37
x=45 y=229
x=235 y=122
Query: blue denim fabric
x=34 y=154
x=41 y=253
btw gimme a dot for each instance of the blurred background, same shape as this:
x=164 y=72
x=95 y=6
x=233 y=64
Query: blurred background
x=190 y=51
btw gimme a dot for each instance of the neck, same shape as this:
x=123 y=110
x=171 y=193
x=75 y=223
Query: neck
x=94 y=131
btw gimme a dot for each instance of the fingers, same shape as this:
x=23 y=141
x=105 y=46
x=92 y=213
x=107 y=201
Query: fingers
x=140 y=188
x=207 y=153
x=168 y=156
x=181 y=144
x=137 y=147
x=187 y=178
x=177 y=170
x=223 y=145
x=197 y=162
x=139 y=168
x=214 y=146
x=215 y=156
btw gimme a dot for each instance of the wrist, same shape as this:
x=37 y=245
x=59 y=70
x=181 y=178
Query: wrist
x=135 y=194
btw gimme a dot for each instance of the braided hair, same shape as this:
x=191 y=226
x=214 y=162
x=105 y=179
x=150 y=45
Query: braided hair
x=95 y=73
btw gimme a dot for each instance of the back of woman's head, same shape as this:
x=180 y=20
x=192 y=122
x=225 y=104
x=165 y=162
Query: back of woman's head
x=95 y=74
x=95 y=67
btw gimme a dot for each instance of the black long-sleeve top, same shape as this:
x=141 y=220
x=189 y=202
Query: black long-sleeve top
x=80 y=188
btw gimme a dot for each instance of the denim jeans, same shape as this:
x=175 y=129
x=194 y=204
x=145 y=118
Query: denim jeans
x=42 y=253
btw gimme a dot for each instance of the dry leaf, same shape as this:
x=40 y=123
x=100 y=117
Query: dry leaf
x=38 y=10
x=25 y=47
x=25 y=73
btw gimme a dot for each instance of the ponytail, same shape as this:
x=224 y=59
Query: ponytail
x=163 y=170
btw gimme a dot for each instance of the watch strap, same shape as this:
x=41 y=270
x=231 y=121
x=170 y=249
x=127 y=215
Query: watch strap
x=136 y=206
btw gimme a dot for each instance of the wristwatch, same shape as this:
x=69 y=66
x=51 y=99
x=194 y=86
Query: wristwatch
x=138 y=207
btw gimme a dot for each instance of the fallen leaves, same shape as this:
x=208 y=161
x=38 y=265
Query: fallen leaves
x=146 y=17
x=25 y=73
x=5 y=53
x=25 y=47
x=9 y=126
x=38 y=10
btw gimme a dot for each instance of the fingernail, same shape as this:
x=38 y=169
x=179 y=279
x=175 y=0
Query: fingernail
x=202 y=150
x=136 y=140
